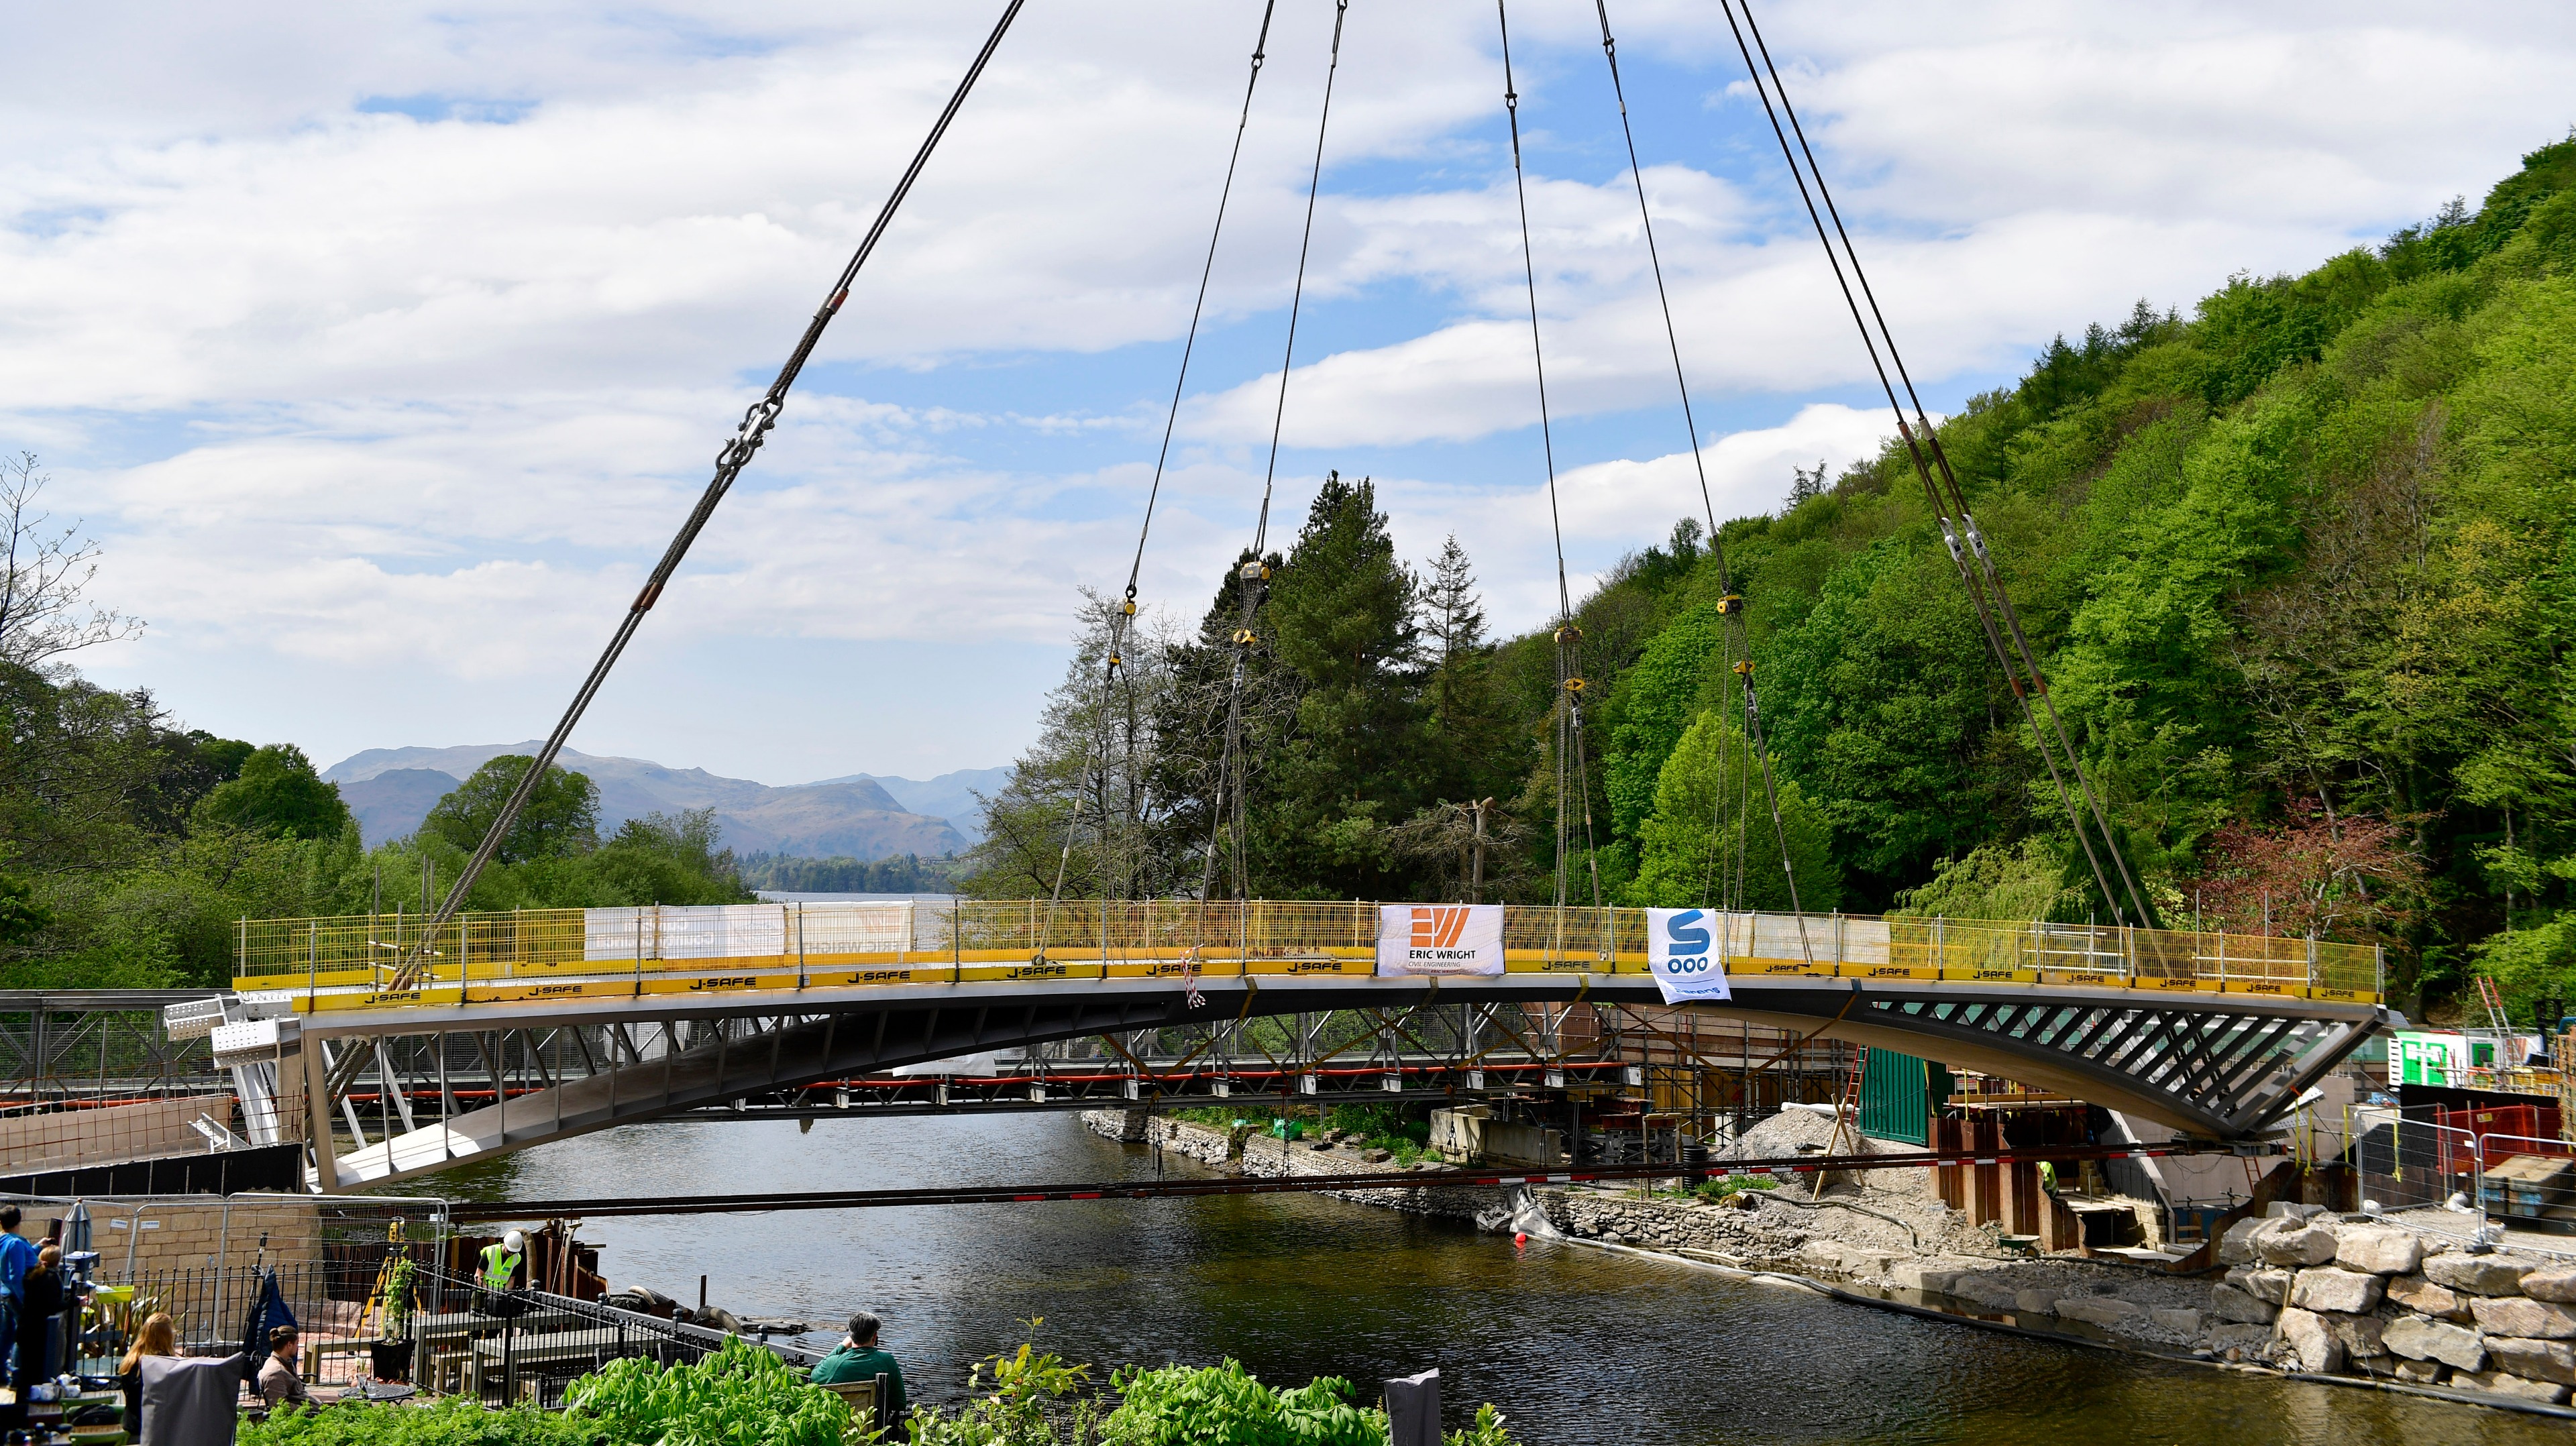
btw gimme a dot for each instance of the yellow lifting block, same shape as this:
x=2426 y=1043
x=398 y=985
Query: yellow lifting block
x=1745 y=668
x=1777 y=968
x=1730 y=604
x=2277 y=988
x=1243 y=638
x=1574 y=685
x=1992 y=976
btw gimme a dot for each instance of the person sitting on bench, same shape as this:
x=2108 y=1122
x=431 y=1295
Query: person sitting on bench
x=279 y=1385
x=856 y=1359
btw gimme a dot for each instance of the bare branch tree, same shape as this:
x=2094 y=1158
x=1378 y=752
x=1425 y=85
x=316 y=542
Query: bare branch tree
x=43 y=615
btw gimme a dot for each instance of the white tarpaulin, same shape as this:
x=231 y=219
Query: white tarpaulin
x=1439 y=939
x=746 y=931
x=1685 y=951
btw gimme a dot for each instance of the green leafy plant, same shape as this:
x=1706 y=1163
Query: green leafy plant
x=1719 y=1189
x=397 y=1321
x=1190 y=1405
x=455 y=1421
x=1023 y=1385
x=739 y=1396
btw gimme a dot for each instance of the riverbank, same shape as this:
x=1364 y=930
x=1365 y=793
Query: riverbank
x=2301 y=1292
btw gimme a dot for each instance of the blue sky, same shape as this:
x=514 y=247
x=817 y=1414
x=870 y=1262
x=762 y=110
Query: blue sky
x=382 y=347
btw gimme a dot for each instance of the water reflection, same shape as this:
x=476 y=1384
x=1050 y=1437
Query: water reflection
x=1578 y=1347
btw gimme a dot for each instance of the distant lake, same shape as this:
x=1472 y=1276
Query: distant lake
x=782 y=896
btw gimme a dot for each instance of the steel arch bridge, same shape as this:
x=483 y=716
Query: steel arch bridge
x=507 y=1048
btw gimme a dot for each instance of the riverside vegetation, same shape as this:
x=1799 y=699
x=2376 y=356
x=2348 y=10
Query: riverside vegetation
x=2299 y=566
x=745 y=1396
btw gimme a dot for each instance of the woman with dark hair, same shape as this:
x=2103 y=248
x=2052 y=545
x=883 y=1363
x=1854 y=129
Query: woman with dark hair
x=40 y=1299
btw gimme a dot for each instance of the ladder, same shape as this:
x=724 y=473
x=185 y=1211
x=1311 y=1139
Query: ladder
x=1847 y=1109
x=2494 y=1002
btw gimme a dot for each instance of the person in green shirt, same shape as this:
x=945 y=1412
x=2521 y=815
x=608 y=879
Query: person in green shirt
x=857 y=1358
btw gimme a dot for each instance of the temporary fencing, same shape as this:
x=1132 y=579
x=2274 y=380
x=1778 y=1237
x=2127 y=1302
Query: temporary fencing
x=207 y=1261
x=2407 y=1160
x=795 y=944
x=2529 y=1179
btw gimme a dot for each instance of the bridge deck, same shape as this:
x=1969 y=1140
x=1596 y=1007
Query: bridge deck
x=353 y=962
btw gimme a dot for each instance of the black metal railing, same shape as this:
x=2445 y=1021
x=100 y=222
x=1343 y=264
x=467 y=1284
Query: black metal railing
x=529 y=1345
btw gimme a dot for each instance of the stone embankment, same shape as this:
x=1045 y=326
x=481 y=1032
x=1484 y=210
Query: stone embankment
x=2303 y=1291
x=2367 y=1297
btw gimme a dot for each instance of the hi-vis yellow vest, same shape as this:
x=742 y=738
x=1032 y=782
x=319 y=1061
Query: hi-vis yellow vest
x=498 y=1266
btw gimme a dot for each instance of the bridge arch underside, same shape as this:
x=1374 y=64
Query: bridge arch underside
x=2212 y=1065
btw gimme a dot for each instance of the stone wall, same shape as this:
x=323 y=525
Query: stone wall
x=195 y=1235
x=2373 y=1298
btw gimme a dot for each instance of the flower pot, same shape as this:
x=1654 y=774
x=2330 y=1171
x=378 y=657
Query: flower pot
x=389 y=1360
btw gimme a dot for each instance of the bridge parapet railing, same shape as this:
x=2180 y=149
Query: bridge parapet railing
x=791 y=944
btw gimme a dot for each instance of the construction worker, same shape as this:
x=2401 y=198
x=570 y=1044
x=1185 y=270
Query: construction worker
x=500 y=1268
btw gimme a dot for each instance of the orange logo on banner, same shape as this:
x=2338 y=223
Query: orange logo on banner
x=1438 y=928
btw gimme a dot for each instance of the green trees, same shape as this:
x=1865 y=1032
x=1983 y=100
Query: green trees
x=1343 y=614
x=1710 y=838
x=560 y=817
x=277 y=791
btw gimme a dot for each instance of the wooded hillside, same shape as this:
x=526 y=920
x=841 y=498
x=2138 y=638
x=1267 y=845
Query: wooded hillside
x=2298 y=566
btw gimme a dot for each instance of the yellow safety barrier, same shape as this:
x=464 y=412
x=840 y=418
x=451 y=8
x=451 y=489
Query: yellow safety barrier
x=529 y=955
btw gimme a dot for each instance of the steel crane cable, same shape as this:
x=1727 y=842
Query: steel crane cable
x=1252 y=576
x=1731 y=607
x=1968 y=576
x=736 y=454
x=1931 y=439
x=1570 y=769
x=1122 y=617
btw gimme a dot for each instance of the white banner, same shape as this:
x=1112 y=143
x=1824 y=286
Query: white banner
x=1439 y=939
x=1682 y=948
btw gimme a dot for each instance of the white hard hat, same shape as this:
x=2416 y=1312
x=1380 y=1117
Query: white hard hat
x=514 y=1242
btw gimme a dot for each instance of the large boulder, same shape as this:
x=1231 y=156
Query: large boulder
x=2378 y=1249
x=2515 y=1315
x=2362 y=1336
x=2419 y=1339
x=2105 y=1311
x=2326 y=1288
x=2289 y=1243
x=2228 y=1303
x=2036 y=1302
x=2535 y=1359
x=2312 y=1340
x=2175 y=1322
x=2425 y=1298
x=2505 y=1383
x=1987 y=1289
x=2477 y=1274
x=2237 y=1246
x=1933 y=1273
x=2262 y=1282
x=2554 y=1285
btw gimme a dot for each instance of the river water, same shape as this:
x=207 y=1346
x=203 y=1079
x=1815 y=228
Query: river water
x=1578 y=1347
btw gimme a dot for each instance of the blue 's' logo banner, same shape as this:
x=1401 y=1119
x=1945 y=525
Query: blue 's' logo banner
x=1678 y=950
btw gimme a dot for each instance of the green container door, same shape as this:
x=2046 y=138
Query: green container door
x=1900 y=1095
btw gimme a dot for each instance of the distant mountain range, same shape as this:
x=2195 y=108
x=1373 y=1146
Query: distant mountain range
x=859 y=815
